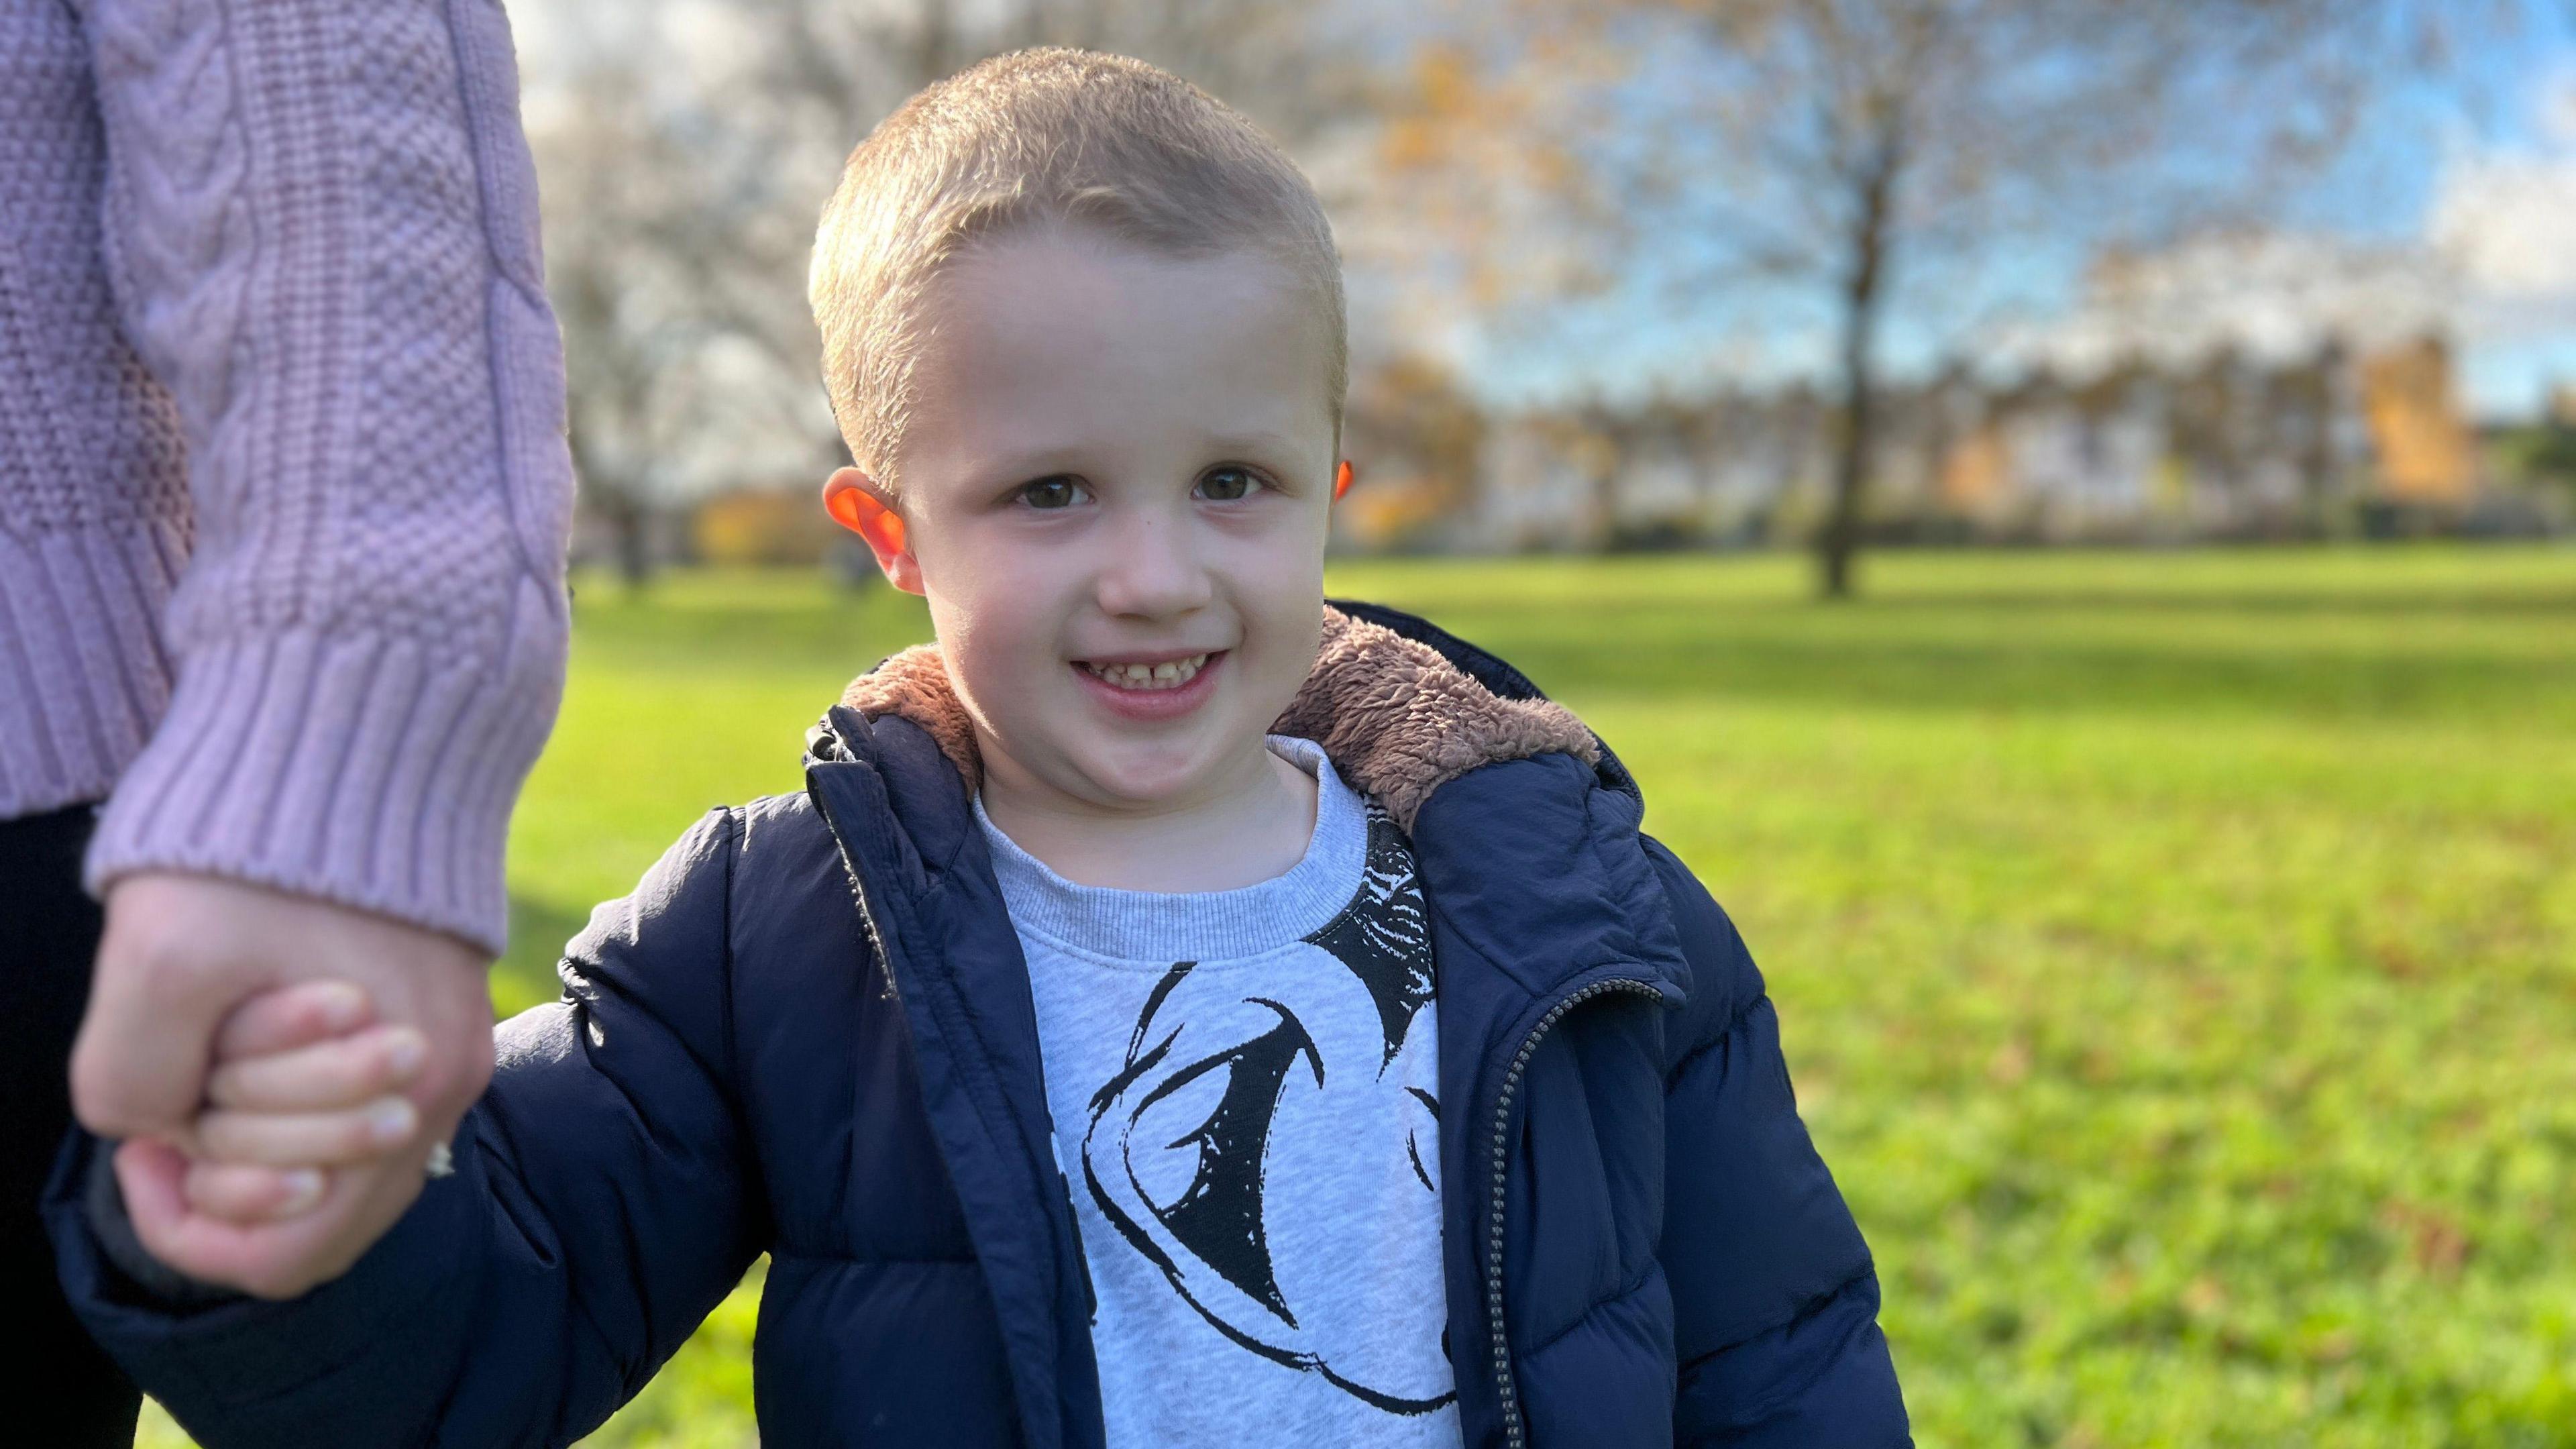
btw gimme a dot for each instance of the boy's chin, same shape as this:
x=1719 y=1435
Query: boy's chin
x=1133 y=774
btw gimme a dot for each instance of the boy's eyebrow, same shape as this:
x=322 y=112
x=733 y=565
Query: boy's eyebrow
x=1253 y=442
x=1040 y=459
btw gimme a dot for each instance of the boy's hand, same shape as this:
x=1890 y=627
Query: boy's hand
x=304 y=1154
x=304 y=1080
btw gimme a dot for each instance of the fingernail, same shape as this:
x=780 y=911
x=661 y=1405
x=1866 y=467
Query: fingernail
x=406 y=1052
x=343 y=1005
x=392 y=1120
x=303 y=1190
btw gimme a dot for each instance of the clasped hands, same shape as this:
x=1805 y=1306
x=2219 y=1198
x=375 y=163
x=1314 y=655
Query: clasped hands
x=278 y=1069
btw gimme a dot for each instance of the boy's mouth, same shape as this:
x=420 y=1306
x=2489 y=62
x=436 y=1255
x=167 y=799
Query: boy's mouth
x=1145 y=676
x=1147 y=689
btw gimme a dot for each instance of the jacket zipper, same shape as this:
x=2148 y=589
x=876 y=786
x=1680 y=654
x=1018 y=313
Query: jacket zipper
x=1513 y=1432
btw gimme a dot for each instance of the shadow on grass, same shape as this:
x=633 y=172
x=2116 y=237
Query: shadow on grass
x=1968 y=651
x=539 y=928
x=2536 y=604
x=2295 y=636
x=2039 y=676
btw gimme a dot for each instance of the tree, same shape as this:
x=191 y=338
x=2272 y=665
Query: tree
x=1851 y=147
x=620 y=265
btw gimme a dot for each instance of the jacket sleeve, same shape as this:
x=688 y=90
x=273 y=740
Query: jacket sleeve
x=1775 y=1300
x=319 y=225
x=603 y=1203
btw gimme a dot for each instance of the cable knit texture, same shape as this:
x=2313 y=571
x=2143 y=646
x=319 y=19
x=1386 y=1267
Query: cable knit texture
x=283 y=485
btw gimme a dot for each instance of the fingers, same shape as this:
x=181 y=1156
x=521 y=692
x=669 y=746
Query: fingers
x=249 y=1195
x=291 y=1017
x=277 y=1117
x=291 y=1094
x=308 y=1139
x=274 y=1260
x=152 y=1175
x=333 y=1103
x=331 y=1075
x=448 y=998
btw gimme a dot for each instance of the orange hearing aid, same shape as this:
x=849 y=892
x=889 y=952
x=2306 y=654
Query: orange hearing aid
x=1342 y=480
x=855 y=510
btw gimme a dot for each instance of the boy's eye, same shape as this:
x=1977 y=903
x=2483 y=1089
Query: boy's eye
x=1056 y=490
x=1224 y=485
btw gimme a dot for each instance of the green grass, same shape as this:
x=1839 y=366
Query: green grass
x=2176 y=952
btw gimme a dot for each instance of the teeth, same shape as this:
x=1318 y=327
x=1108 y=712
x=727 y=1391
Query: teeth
x=1171 y=675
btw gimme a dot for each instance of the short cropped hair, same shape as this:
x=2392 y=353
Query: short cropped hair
x=1034 y=137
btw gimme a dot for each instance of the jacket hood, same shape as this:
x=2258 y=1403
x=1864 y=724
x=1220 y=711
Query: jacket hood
x=1396 y=717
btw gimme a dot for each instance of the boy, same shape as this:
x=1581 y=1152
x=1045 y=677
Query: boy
x=1177 y=1011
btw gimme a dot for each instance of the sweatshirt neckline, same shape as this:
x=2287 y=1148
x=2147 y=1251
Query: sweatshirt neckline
x=1160 y=927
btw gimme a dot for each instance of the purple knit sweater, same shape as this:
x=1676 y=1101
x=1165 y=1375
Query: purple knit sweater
x=283 y=484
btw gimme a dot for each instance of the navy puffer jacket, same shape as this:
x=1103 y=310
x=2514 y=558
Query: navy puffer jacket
x=808 y=1032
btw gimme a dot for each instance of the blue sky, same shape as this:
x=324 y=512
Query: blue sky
x=2465 y=190
x=2471 y=180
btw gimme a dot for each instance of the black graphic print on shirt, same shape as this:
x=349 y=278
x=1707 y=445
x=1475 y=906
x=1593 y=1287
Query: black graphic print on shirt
x=1269 y=1124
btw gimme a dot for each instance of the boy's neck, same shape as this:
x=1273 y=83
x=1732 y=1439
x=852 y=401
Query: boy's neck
x=1252 y=826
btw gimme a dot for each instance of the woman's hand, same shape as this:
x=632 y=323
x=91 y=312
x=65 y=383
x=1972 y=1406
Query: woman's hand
x=182 y=954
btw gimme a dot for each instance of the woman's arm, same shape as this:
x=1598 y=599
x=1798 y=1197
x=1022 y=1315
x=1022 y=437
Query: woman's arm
x=320 y=223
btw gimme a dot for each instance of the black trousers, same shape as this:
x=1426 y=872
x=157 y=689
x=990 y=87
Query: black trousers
x=58 y=1387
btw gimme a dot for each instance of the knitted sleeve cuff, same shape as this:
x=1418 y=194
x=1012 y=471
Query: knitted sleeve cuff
x=361 y=769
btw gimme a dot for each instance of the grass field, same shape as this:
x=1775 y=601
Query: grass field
x=2176 y=952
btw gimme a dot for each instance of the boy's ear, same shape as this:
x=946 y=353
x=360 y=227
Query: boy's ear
x=856 y=503
x=1343 y=478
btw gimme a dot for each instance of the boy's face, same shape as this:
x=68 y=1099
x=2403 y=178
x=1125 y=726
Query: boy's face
x=1114 y=495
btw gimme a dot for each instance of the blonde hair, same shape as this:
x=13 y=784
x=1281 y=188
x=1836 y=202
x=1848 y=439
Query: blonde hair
x=1033 y=137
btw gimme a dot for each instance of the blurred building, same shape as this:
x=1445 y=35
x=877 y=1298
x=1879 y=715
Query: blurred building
x=2425 y=451
x=761 y=527
x=2232 y=445
x=1726 y=470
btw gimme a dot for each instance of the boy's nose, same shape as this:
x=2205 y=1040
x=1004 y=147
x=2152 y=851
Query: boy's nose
x=1153 y=570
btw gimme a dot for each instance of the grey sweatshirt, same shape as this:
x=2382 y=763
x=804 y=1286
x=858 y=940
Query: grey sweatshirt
x=1244 y=1086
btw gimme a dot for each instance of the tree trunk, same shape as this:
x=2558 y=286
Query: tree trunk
x=632 y=524
x=629 y=520
x=1863 y=291
x=1840 y=539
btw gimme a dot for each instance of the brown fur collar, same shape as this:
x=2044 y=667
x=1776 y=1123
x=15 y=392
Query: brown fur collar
x=1397 y=720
